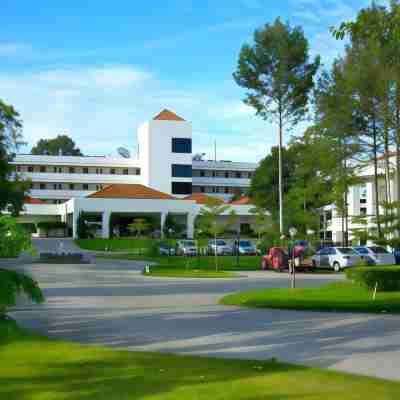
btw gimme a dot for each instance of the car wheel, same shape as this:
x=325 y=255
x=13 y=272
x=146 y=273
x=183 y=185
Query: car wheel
x=336 y=266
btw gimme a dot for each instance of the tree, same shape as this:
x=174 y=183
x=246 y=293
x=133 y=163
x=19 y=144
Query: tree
x=262 y=221
x=171 y=227
x=12 y=190
x=210 y=220
x=62 y=144
x=138 y=226
x=279 y=78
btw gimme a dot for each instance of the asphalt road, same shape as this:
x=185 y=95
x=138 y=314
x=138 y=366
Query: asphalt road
x=111 y=303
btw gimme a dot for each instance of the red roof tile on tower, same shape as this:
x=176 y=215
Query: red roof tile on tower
x=167 y=115
x=242 y=201
x=130 y=191
x=31 y=200
x=201 y=198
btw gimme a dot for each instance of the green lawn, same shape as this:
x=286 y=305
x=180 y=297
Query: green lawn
x=188 y=273
x=339 y=296
x=225 y=263
x=36 y=368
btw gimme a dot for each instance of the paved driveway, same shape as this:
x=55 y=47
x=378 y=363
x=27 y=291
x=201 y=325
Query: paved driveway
x=110 y=303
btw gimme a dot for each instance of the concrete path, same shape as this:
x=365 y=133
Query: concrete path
x=111 y=304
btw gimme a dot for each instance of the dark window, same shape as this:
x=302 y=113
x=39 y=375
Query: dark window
x=18 y=168
x=55 y=186
x=85 y=186
x=226 y=190
x=202 y=189
x=137 y=171
x=55 y=169
x=60 y=186
x=42 y=168
x=42 y=186
x=202 y=174
x=99 y=170
x=71 y=170
x=60 y=170
x=238 y=174
x=363 y=211
x=181 y=171
x=30 y=168
x=214 y=174
x=125 y=171
x=226 y=174
x=71 y=186
x=85 y=170
x=181 y=188
x=180 y=145
x=112 y=171
x=363 y=201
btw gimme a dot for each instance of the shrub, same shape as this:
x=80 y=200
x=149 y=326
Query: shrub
x=50 y=225
x=13 y=283
x=14 y=239
x=387 y=278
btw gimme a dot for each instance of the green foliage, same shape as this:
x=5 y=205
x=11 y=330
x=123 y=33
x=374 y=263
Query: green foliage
x=171 y=227
x=12 y=191
x=61 y=144
x=13 y=283
x=82 y=227
x=387 y=278
x=139 y=226
x=14 y=239
x=50 y=225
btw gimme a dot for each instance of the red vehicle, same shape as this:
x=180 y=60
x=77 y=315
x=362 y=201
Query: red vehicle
x=278 y=259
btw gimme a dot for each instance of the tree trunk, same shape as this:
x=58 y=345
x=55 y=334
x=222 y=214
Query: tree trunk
x=280 y=174
x=376 y=176
x=216 y=253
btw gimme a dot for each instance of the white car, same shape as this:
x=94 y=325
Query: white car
x=336 y=258
x=220 y=247
x=186 y=248
x=377 y=254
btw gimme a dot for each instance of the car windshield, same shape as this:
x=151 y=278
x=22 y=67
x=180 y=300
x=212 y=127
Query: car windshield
x=378 y=250
x=245 y=243
x=346 y=250
x=221 y=243
x=189 y=243
x=361 y=250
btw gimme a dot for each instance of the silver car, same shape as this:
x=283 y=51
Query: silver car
x=220 y=247
x=245 y=247
x=378 y=254
x=336 y=258
x=187 y=248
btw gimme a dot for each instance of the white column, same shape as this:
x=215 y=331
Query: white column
x=190 y=225
x=105 y=224
x=75 y=216
x=162 y=223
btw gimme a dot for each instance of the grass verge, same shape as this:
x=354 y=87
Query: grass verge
x=338 y=296
x=188 y=273
x=34 y=368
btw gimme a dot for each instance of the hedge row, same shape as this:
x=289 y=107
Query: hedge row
x=49 y=225
x=387 y=278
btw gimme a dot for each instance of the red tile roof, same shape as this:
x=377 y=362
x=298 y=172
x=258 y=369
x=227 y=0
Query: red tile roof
x=31 y=200
x=201 y=198
x=242 y=201
x=166 y=115
x=127 y=191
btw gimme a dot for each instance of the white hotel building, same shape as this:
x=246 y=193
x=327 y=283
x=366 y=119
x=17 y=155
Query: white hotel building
x=162 y=179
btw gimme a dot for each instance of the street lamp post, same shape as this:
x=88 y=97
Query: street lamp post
x=292 y=270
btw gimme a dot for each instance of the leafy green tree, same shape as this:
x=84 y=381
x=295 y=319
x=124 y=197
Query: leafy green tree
x=138 y=226
x=62 y=144
x=279 y=77
x=262 y=221
x=12 y=190
x=210 y=220
x=171 y=227
x=14 y=238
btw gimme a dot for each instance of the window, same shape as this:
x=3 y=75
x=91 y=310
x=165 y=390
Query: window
x=71 y=186
x=71 y=170
x=60 y=186
x=137 y=171
x=55 y=186
x=250 y=175
x=202 y=174
x=363 y=201
x=42 y=186
x=202 y=189
x=42 y=168
x=238 y=174
x=180 y=145
x=214 y=174
x=125 y=171
x=18 y=168
x=181 y=171
x=226 y=190
x=99 y=170
x=112 y=171
x=85 y=186
x=30 y=168
x=55 y=169
x=85 y=170
x=181 y=188
x=226 y=174
x=363 y=211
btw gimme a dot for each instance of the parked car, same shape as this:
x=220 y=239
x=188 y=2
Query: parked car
x=336 y=258
x=186 y=248
x=165 y=250
x=220 y=247
x=375 y=255
x=276 y=259
x=245 y=247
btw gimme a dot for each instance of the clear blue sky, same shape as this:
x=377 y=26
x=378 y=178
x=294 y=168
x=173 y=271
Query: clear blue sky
x=97 y=69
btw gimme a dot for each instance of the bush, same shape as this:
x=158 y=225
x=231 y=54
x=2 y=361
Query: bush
x=13 y=283
x=387 y=278
x=14 y=239
x=50 y=225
